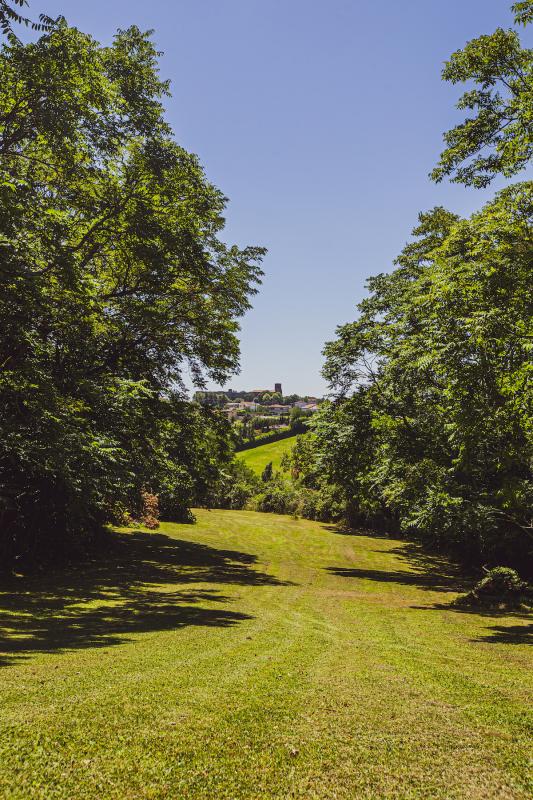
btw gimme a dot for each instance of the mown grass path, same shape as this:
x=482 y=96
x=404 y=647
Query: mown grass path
x=256 y=656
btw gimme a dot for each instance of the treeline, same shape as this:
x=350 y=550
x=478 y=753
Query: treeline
x=114 y=281
x=430 y=426
x=254 y=430
x=266 y=397
x=265 y=438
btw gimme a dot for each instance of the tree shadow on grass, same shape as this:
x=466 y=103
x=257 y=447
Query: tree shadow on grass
x=143 y=582
x=345 y=530
x=431 y=582
x=502 y=634
x=509 y=634
x=433 y=572
x=423 y=570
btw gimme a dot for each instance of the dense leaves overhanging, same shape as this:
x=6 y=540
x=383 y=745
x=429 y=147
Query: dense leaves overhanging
x=114 y=281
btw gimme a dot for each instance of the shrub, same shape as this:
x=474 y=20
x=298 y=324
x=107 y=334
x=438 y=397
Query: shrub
x=500 y=585
x=149 y=516
x=499 y=581
x=277 y=498
x=236 y=485
x=267 y=473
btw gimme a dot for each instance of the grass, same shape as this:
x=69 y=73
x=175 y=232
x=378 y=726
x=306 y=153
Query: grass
x=258 y=457
x=256 y=656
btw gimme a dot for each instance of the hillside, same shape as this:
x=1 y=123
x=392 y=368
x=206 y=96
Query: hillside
x=256 y=656
x=258 y=457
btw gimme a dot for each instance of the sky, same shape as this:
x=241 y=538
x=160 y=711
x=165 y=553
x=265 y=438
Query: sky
x=320 y=121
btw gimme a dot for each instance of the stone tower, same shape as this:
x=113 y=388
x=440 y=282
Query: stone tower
x=277 y=388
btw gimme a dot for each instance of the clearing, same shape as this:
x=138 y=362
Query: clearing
x=258 y=457
x=256 y=656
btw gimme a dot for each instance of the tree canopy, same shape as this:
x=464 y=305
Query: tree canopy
x=430 y=422
x=115 y=282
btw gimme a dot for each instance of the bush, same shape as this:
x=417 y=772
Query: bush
x=278 y=498
x=236 y=485
x=267 y=473
x=282 y=497
x=149 y=516
x=498 y=581
x=500 y=585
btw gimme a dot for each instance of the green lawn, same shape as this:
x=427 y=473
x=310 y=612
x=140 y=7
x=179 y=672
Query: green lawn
x=258 y=457
x=257 y=656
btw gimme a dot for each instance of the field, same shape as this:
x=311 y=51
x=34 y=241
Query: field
x=258 y=457
x=256 y=656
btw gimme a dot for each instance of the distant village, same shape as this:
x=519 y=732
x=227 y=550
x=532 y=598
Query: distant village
x=268 y=406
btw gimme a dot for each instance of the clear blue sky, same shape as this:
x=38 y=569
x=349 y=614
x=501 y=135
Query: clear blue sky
x=320 y=120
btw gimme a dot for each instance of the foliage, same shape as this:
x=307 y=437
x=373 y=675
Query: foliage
x=430 y=425
x=499 y=585
x=10 y=15
x=235 y=486
x=114 y=281
x=523 y=12
x=500 y=580
x=277 y=497
x=266 y=475
x=498 y=137
x=299 y=419
x=438 y=430
x=297 y=489
x=149 y=516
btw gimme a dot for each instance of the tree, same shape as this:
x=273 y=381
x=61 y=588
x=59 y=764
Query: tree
x=297 y=419
x=431 y=423
x=438 y=430
x=114 y=280
x=498 y=138
x=266 y=475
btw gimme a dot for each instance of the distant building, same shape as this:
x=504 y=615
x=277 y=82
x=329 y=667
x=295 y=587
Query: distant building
x=312 y=407
x=249 y=406
x=275 y=408
x=277 y=388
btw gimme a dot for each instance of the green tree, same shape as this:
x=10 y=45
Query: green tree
x=523 y=12
x=431 y=426
x=498 y=136
x=114 y=281
x=297 y=419
x=266 y=475
x=438 y=431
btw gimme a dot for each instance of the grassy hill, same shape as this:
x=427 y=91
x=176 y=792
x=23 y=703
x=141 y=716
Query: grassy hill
x=256 y=656
x=258 y=457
